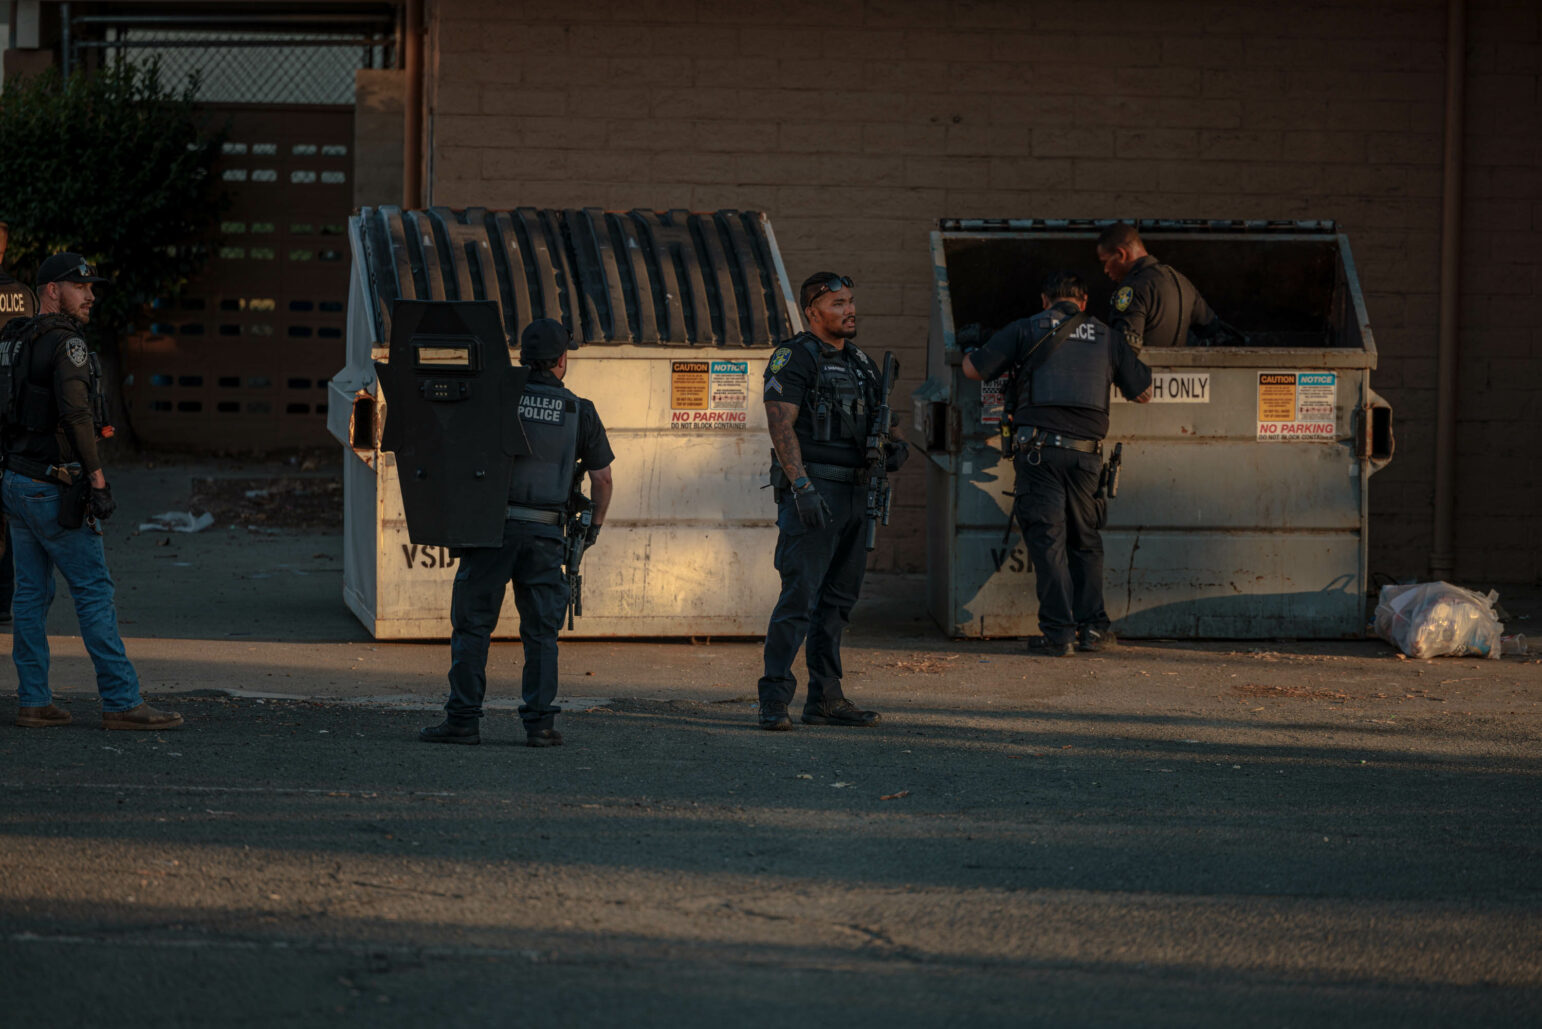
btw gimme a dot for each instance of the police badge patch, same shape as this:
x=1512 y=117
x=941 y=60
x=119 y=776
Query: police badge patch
x=1123 y=297
x=76 y=348
x=779 y=359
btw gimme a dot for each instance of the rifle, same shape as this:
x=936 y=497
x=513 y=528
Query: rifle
x=575 y=532
x=1108 y=478
x=879 y=441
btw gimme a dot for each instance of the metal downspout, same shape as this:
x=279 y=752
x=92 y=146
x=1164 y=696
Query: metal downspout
x=412 y=109
x=1442 y=558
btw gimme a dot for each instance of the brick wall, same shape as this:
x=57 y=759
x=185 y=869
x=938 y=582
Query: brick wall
x=857 y=123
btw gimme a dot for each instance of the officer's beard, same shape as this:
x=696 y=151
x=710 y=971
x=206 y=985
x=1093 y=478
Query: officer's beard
x=845 y=331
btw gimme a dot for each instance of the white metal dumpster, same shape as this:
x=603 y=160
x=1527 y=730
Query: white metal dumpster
x=1242 y=510
x=678 y=312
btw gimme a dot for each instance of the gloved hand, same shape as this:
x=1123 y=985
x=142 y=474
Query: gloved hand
x=899 y=453
x=812 y=509
x=100 y=503
x=590 y=535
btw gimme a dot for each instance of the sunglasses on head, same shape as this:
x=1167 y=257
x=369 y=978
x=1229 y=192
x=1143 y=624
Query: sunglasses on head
x=830 y=286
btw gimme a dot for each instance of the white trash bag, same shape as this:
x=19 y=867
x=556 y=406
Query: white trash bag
x=1436 y=619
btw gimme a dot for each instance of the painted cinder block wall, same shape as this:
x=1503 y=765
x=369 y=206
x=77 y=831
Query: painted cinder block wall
x=857 y=123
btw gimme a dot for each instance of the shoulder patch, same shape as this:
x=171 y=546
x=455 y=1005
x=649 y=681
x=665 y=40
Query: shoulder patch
x=1123 y=297
x=780 y=358
x=75 y=347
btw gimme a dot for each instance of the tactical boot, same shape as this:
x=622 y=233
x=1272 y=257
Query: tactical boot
x=842 y=712
x=544 y=738
x=1043 y=646
x=144 y=718
x=774 y=718
x=1090 y=641
x=448 y=732
x=42 y=717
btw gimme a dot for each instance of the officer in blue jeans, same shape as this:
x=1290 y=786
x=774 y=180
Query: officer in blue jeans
x=49 y=441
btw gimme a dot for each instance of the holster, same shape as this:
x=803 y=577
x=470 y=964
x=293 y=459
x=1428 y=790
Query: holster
x=72 y=503
x=779 y=482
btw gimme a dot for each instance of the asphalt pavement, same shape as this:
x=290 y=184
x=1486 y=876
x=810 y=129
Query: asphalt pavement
x=1211 y=834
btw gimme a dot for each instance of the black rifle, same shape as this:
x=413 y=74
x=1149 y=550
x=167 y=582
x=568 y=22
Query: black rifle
x=880 y=440
x=1108 y=479
x=575 y=532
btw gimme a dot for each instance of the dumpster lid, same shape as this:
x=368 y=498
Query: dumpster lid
x=1154 y=226
x=649 y=277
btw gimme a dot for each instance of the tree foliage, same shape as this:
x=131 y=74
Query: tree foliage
x=116 y=165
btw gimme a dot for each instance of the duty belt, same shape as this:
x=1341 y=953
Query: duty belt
x=1029 y=438
x=515 y=513
x=63 y=474
x=835 y=472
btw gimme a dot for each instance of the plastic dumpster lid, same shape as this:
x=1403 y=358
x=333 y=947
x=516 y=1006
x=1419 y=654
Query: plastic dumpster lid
x=1147 y=225
x=660 y=277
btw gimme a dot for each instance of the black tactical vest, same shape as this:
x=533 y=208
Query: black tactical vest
x=549 y=415
x=1079 y=372
x=844 y=393
x=27 y=351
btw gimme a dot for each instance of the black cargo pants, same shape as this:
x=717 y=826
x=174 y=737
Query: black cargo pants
x=530 y=558
x=1060 y=520
x=822 y=572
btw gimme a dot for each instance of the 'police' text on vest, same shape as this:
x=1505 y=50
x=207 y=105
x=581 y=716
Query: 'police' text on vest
x=541 y=409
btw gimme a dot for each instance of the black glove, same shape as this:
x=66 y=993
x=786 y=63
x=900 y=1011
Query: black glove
x=812 y=509
x=100 y=503
x=590 y=535
x=899 y=453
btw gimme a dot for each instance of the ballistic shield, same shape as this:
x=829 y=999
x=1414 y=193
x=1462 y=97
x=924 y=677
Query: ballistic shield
x=452 y=419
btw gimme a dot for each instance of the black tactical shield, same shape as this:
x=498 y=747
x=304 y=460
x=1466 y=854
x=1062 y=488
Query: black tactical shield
x=452 y=420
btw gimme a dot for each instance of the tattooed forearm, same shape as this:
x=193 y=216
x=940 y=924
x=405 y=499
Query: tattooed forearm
x=779 y=419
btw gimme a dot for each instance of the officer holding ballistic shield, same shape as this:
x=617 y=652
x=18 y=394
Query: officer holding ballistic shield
x=566 y=439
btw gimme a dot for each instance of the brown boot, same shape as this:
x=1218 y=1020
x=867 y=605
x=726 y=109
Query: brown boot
x=42 y=717
x=142 y=717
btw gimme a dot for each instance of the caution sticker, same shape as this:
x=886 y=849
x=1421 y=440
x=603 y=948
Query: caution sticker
x=709 y=395
x=1295 y=407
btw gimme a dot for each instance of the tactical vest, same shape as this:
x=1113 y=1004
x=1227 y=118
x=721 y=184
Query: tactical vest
x=549 y=415
x=843 y=396
x=1078 y=373
x=28 y=404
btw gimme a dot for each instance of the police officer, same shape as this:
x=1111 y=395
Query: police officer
x=820 y=393
x=1063 y=361
x=16 y=301
x=56 y=495
x=566 y=440
x=1154 y=305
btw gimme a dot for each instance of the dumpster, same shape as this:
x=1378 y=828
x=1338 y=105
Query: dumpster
x=1242 y=508
x=678 y=312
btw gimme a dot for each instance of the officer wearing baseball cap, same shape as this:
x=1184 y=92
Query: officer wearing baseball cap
x=57 y=496
x=566 y=440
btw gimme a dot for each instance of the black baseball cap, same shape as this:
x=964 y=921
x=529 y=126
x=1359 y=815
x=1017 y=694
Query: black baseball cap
x=66 y=267
x=545 y=339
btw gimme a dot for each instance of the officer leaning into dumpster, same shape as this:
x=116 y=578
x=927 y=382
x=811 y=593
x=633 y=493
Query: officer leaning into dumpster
x=566 y=440
x=1063 y=361
x=57 y=496
x=820 y=392
x=16 y=301
x=1154 y=305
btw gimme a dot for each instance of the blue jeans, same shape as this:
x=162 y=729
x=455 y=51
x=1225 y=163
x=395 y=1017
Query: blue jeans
x=41 y=545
